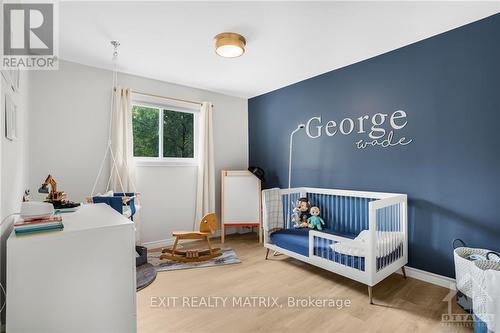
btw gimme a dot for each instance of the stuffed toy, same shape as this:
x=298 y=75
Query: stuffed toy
x=315 y=221
x=303 y=213
x=295 y=215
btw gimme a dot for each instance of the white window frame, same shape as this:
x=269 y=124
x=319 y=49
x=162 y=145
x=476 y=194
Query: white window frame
x=169 y=161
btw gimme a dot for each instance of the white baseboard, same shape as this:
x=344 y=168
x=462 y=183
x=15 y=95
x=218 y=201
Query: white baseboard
x=170 y=241
x=436 y=279
x=159 y=243
x=439 y=280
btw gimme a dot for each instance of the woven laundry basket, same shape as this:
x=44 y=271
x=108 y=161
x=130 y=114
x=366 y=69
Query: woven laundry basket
x=486 y=293
x=465 y=269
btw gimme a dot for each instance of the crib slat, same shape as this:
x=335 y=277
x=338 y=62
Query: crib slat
x=346 y=213
x=330 y=211
x=337 y=212
x=393 y=238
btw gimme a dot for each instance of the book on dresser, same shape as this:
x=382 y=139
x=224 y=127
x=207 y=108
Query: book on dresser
x=38 y=225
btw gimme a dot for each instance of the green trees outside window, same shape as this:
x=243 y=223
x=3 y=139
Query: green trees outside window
x=145 y=123
x=178 y=134
x=177 y=129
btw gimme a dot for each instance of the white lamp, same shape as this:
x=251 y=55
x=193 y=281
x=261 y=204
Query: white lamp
x=36 y=210
x=301 y=126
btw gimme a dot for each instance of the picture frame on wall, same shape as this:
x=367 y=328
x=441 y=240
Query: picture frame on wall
x=10 y=111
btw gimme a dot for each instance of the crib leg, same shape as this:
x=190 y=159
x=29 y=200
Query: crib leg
x=267 y=253
x=370 y=294
x=404 y=271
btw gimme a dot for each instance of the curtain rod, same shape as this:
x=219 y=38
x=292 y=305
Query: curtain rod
x=163 y=97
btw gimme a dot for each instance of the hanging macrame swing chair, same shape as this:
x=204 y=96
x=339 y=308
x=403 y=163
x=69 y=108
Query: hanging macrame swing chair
x=125 y=203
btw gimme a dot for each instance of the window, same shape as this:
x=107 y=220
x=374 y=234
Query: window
x=145 y=122
x=164 y=135
x=178 y=140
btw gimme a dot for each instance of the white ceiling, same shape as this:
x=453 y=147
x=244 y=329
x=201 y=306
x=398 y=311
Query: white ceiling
x=286 y=41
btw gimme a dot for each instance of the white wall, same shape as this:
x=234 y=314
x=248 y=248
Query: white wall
x=14 y=166
x=13 y=163
x=69 y=123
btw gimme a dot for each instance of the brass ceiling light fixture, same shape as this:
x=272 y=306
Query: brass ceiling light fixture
x=230 y=44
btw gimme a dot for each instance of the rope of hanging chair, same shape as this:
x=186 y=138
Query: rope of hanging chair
x=117 y=173
x=100 y=170
x=109 y=148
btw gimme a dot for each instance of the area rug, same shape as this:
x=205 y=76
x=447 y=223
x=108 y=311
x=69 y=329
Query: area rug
x=145 y=275
x=228 y=257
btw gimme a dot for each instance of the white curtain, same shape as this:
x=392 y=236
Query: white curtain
x=205 y=199
x=122 y=143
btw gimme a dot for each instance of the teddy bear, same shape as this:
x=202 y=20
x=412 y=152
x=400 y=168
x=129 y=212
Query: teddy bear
x=300 y=213
x=314 y=221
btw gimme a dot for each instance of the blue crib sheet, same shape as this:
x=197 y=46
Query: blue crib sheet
x=297 y=240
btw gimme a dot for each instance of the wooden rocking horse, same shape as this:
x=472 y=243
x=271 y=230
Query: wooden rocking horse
x=208 y=226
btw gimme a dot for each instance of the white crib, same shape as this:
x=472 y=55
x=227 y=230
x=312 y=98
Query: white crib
x=366 y=236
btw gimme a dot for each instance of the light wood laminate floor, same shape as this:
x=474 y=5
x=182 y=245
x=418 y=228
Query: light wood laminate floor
x=401 y=305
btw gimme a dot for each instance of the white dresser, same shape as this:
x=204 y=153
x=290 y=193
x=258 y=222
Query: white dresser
x=81 y=279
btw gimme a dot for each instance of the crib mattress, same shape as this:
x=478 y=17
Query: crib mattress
x=297 y=240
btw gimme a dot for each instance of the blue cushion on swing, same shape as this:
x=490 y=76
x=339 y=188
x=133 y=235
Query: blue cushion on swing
x=116 y=202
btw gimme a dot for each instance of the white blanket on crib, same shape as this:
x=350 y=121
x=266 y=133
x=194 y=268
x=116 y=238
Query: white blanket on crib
x=272 y=210
x=387 y=242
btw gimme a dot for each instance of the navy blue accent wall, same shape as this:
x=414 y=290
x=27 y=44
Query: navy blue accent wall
x=449 y=85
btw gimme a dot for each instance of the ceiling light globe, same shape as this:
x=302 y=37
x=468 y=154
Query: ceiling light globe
x=229 y=44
